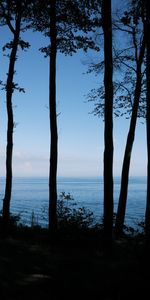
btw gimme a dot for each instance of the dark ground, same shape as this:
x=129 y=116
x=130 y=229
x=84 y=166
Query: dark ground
x=32 y=268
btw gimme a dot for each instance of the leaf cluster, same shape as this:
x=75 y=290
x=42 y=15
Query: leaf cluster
x=23 y=45
x=75 y=23
x=10 y=9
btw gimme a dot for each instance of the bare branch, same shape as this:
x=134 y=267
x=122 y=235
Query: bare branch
x=122 y=29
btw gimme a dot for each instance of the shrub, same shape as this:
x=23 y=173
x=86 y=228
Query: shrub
x=11 y=225
x=72 y=217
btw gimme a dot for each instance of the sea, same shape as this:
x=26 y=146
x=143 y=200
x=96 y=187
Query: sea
x=30 y=197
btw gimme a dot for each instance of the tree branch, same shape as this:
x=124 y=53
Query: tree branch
x=7 y=18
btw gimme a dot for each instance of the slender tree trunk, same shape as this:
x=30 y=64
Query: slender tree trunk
x=53 y=125
x=128 y=149
x=147 y=215
x=108 y=133
x=10 y=126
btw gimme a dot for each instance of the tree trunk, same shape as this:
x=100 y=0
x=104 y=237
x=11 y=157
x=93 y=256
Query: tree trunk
x=108 y=133
x=10 y=126
x=128 y=150
x=53 y=125
x=147 y=215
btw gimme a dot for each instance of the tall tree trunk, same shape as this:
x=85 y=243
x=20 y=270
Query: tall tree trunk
x=147 y=215
x=53 y=125
x=108 y=133
x=128 y=149
x=10 y=126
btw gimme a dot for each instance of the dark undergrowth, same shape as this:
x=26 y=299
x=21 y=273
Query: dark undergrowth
x=71 y=266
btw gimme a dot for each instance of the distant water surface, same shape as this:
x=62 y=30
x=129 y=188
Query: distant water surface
x=30 y=197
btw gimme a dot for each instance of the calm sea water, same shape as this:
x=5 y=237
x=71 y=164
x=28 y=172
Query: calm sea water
x=30 y=197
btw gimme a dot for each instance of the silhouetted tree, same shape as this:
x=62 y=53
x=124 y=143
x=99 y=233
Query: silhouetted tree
x=147 y=215
x=131 y=19
x=127 y=90
x=53 y=122
x=66 y=23
x=108 y=119
x=11 y=15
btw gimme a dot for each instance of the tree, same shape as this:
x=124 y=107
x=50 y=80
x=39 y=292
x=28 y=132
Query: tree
x=11 y=15
x=108 y=119
x=132 y=22
x=147 y=215
x=67 y=24
x=53 y=123
x=129 y=91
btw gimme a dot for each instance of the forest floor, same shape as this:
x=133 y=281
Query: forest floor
x=33 y=268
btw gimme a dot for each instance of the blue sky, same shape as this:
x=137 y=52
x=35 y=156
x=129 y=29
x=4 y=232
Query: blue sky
x=80 y=133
